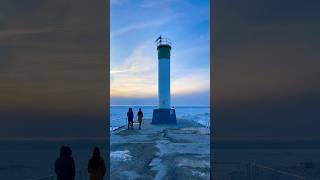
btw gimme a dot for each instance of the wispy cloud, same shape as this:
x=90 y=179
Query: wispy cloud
x=194 y=80
x=117 y=71
x=136 y=76
x=138 y=26
x=134 y=64
x=152 y=3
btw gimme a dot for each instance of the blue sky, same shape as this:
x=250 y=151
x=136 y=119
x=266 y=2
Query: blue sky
x=134 y=27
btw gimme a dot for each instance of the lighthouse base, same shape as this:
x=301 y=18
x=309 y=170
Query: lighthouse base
x=164 y=116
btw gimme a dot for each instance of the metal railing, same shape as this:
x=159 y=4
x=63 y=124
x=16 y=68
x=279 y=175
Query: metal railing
x=163 y=41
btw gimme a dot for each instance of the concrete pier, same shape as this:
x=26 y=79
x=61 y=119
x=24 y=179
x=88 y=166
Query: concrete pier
x=161 y=151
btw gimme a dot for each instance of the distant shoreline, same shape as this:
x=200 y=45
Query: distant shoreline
x=113 y=129
x=179 y=106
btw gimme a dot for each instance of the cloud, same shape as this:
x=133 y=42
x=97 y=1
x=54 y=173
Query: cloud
x=194 y=80
x=137 y=76
x=137 y=26
x=134 y=64
x=152 y=3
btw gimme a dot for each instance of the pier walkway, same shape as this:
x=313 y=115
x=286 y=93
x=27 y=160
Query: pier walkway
x=161 y=151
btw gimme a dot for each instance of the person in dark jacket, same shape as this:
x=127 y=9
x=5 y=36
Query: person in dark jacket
x=64 y=166
x=130 y=118
x=140 y=115
x=96 y=166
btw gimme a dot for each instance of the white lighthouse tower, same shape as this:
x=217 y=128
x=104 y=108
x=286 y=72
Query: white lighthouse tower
x=164 y=114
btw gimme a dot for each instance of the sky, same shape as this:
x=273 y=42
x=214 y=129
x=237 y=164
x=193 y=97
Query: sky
x=266 y=70
x=52 y=69
x=265 y=77
x=134 y=26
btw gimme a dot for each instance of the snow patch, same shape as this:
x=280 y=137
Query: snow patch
x=198 y=173
x=161 y=145
x=121 y=155
x=194 y=163
x=131 y=174
x=199 y=130
x=158 y=166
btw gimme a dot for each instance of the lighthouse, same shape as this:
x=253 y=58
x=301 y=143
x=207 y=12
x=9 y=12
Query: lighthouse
x=164 y=114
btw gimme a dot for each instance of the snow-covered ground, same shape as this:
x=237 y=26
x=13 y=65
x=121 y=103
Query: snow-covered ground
x=158 y=152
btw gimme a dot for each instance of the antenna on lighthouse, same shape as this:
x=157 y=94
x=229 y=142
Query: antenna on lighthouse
x=158 y=39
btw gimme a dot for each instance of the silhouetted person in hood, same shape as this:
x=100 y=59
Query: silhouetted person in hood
x=96 y=166
x=130 y=118
x=64 y=165
x=140 y=115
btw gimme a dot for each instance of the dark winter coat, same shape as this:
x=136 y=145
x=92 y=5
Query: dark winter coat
x=96 y=168
x=130 y=115
x=140 y=115
x=64 y=166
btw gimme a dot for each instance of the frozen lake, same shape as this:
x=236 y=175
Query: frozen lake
x=199 y=114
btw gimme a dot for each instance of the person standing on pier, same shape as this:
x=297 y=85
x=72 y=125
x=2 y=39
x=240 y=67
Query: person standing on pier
x=140 y=115
x=96 y=166
x=64 y=166
x=130 y=118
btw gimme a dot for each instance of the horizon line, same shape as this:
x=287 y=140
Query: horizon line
x=208 y=105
